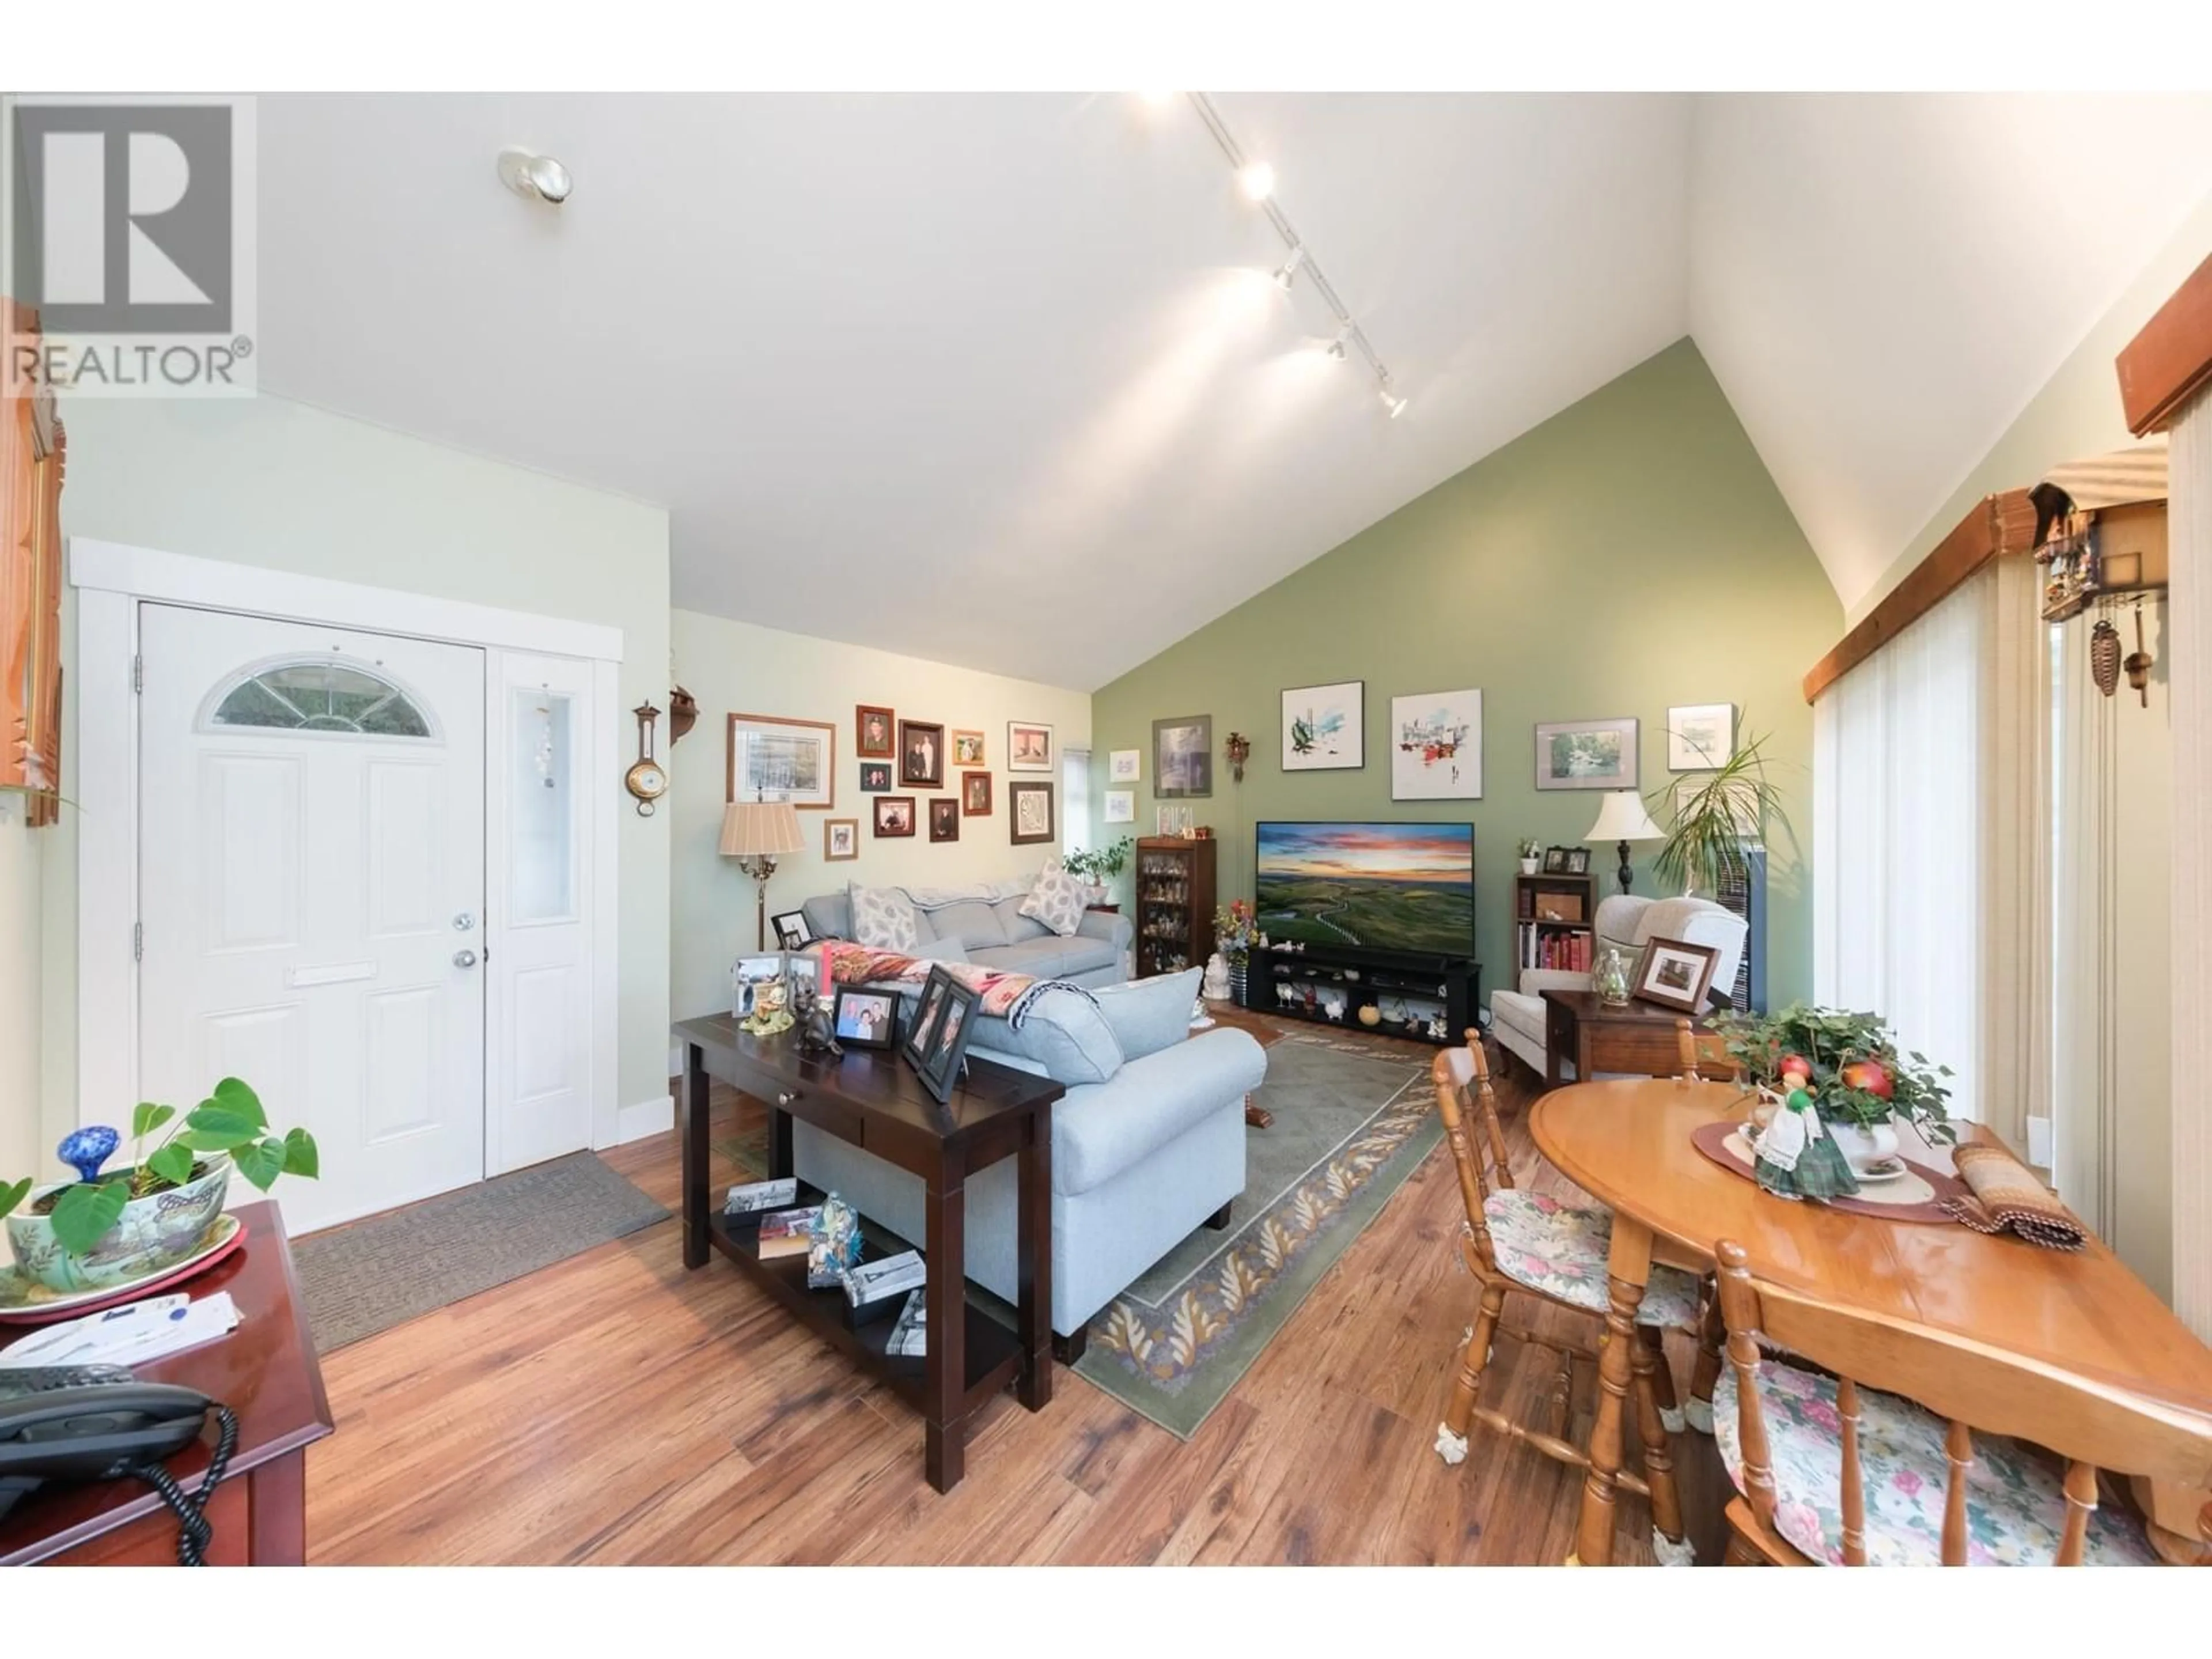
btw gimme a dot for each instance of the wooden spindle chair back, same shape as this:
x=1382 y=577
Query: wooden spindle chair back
x=1461 y=1077
x=1976 y=1389
x=1703 y=1055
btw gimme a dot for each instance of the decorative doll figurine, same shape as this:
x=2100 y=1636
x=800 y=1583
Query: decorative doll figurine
x=1797 y=1157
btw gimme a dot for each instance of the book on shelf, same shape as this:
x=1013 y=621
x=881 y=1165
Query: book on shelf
x=909 y=1338
x=781 y=1224
x=1555 y=948
x=893 y=1275
x=773 y=1245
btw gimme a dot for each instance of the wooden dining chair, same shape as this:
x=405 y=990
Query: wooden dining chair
x=1908 y=1453
x=1531 y=1244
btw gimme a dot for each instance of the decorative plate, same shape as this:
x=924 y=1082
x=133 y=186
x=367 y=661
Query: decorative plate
x=1884 y=1169
x=26 y=1302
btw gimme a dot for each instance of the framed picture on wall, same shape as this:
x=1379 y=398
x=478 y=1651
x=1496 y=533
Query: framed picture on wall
x=874 y=732
x=1029 y=807
x=1700 y=735
x=1124 y=765
x=1029 y=747
x=1120 y=807
x=1325 y=727
x=1435 y=746
x=944 y=819
x=894 y=816
x=1586 y=755
x=841 y=840
x=975 y=794
x=771 y=758
x=875 y=777
x=967 y=748
x=921 y=754
x=1183 y=757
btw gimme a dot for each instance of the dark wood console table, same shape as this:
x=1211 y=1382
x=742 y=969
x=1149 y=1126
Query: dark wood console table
x=265 y=1372
x=872 y=1098
x=1600 y=1036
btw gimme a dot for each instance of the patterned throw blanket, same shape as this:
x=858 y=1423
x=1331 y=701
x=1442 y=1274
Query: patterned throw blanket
x=1010 y=997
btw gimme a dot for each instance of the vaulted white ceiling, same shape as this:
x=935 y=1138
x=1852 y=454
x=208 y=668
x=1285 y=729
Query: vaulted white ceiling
x=998 y=380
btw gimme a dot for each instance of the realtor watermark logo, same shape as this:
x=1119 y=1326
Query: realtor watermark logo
x=129 y=229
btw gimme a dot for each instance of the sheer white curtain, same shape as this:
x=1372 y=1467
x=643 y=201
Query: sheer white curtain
x=1074 y=799
x=1900 y=835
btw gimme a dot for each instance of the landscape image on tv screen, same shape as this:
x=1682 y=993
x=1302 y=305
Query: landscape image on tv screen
x=1389 y=886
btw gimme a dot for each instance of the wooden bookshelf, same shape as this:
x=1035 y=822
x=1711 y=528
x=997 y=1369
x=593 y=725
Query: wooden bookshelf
x=1554 y=922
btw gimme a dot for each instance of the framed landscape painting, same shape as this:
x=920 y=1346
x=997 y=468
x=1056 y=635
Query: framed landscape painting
x=1325 y=727
x=775 y=759
x=1586 y=755
x=1183 y=757
x=1435 y=746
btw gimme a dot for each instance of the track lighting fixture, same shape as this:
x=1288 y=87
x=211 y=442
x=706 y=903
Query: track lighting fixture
x=1392 y=402
x=1288 y=271
x=539 y=178
x=1336 y=348
x=1258 y=180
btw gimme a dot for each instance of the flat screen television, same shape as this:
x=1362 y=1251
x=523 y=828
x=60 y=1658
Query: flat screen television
x=1387 y=886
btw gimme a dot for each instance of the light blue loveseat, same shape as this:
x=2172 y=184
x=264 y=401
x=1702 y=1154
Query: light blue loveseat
x=1142 y=1156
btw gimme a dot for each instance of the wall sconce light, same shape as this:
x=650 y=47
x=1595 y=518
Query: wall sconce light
x=1239 y=750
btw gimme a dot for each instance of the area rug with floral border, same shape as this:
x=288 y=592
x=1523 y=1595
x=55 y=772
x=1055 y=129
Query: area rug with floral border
x=1350 y=1125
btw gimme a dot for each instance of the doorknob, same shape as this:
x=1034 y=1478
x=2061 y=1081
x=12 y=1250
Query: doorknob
x=465 y=959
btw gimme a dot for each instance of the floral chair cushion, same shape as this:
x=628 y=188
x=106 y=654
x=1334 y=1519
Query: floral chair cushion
x=1560 y=1249
x=2015 y=1508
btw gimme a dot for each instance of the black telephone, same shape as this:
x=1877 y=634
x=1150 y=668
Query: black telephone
x=100 y=1423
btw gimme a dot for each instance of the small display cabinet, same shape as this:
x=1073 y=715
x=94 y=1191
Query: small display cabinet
x=1175 y=903
x=1552 y=922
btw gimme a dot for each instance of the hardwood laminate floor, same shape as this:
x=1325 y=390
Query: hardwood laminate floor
x=615 y=1407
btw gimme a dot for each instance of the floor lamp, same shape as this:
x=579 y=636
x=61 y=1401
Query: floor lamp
x=1622 y=818
x=757 y=833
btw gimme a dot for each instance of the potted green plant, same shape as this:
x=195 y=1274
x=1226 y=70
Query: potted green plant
x=1850 y=1064
x=1532 y=855
x=1712 y=821
x=1100 y=867
x=109 y=1228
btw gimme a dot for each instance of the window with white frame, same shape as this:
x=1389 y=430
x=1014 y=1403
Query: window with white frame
x=1074 y=799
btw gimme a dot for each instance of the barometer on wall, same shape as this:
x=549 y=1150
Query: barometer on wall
x=646 y=778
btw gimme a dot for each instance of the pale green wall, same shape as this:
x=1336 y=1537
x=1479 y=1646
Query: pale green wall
x=1628 y=554
x=267 y=482
x=2076 y=414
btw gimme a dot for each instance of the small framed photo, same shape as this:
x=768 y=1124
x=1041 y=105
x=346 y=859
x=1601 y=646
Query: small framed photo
x=967 y=748
x=1700 y=735
x=1029 y=747
x=1183 y=757
x=874 y=732
x=1125 y=765
x=1674 y=974
x=975 y=794
x=791 y=930
x=944 y=819
x=758 y=985
x=1029 y=809
x=894 y=816
x=875 y=777
x=920 y=1033
x=1120 y=807
x=1579 y=861
x=1325 y=726
x=866 y=1019
x=1555 y=860
x=1586 y=755
x=841 y=840
x=921 y=754
x=947 y=1046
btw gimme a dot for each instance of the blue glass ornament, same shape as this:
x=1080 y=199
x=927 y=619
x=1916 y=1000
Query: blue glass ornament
x=85 y=1149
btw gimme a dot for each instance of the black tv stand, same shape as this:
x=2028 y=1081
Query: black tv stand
x=1407 y=988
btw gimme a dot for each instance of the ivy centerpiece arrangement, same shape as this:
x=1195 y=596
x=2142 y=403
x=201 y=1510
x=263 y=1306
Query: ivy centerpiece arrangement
x=1850 y=1065
x=111 y=1226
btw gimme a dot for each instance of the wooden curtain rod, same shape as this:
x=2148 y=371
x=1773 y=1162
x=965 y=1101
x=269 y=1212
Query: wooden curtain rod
x=2171 y=360
x=1996 y=526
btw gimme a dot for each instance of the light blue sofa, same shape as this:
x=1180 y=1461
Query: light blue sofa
x=985 y=925
x=1139 y=1160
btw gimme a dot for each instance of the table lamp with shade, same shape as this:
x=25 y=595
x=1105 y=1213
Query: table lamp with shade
x=1622 y=818
x=757 y=833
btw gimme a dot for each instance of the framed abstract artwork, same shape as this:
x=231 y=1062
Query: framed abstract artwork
x=1028 y=808
x=1325 y=727
x=1435 y=746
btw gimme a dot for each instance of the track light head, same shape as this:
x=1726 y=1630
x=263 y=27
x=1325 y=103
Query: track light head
x=1258 y=180
x=1336 y=347
x=1287 y=272
x=539 y=178
x=1392 y=402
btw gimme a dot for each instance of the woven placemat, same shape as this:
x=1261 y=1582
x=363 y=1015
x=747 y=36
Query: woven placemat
x=1918 y=1197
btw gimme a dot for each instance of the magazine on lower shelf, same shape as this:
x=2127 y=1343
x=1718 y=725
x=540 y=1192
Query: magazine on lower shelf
x=909 y=1338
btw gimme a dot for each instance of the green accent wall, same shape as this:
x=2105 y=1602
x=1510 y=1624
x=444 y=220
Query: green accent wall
x=1629 y=554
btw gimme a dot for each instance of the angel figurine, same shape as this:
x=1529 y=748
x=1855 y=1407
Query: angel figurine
x=1797 y=1157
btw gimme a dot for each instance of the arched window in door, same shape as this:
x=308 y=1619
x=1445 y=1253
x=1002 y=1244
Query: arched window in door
x=321 y=695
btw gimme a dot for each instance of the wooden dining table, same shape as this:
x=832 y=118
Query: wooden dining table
x=1628 y=1144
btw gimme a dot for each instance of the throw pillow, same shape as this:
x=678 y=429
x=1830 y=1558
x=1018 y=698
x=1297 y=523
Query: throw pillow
x=884 y=918
x=1064 y=1037
x=1148 y=1015
x=1057 y=901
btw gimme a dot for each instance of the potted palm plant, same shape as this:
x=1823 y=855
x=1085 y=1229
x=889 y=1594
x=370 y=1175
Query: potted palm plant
x=1710 y=823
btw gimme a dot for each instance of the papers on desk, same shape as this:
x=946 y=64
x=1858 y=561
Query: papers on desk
x=131 y=1335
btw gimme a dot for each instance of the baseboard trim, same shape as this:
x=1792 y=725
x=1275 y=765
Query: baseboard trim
x=648 y=1117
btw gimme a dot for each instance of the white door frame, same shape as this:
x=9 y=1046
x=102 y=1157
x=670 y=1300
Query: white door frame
x=111 y=580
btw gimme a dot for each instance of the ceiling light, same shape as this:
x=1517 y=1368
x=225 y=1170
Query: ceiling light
x=1394 y=403
x=1336 y=348
x=1288 y=272
x=539 y=177
x=1258 y=180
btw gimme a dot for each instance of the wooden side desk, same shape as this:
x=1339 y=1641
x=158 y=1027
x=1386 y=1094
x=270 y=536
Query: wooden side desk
x=1599 y=1036
x=265 y=1372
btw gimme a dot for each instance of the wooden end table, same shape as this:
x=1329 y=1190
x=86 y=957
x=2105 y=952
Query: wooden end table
x=265 y=1372
x=871 y=1098
x=1599 y=1036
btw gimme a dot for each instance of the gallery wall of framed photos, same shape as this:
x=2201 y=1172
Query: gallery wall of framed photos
x=1625 y=569
x=931 y=720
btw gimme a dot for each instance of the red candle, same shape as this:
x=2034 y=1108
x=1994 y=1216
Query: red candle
x=825 y=972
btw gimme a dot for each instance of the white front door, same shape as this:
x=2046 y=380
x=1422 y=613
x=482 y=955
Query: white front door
x=311 y=888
